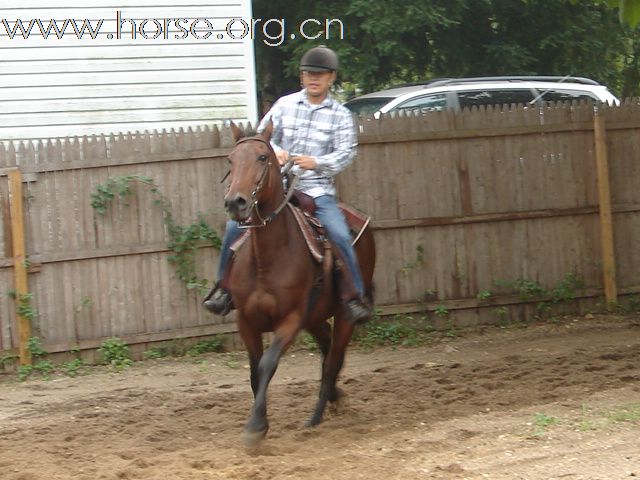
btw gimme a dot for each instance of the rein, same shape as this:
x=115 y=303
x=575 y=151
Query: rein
x=264 y=221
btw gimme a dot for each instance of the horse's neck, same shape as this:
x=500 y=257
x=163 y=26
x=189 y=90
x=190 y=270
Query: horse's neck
x=269 y=242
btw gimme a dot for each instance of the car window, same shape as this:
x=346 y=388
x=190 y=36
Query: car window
x=367 y=106
x=567 y=95
x=425 y=103
x=494 y=97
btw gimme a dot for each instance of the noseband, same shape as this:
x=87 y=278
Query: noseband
x=260 y=184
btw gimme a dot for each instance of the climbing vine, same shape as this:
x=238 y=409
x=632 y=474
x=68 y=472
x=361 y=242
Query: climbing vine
x=183 y=239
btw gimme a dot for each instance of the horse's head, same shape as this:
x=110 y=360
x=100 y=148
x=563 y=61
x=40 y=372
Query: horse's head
x=255 y=182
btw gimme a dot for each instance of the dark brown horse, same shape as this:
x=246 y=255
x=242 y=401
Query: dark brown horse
x=273 y=281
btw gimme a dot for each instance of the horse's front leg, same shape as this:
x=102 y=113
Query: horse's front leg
x=253 y=342
x=258 y=425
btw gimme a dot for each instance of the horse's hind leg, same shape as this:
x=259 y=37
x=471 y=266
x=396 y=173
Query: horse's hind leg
x=322 y=334
x=333 y=361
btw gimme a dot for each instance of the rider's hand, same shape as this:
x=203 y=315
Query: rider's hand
x=305 y=162
x=282 y=157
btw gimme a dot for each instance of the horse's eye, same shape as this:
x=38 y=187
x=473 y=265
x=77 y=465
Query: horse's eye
x=263 y=158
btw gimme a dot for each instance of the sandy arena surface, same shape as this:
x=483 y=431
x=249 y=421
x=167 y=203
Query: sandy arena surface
x=552 y=401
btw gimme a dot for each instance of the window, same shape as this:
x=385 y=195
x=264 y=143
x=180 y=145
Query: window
x=567 y=96
x=367 y=106
x=494 y=97
x=426 y=103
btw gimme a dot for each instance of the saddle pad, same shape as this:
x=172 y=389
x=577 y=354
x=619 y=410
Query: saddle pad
x=356 y=220
x=311 y=236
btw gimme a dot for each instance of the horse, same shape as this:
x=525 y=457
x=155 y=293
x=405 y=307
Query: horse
x=274 y=279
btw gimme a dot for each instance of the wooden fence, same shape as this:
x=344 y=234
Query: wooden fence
x=459 y=201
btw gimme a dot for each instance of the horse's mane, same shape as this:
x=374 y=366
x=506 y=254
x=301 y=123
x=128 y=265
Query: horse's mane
x=248 y=131
x=240 y=130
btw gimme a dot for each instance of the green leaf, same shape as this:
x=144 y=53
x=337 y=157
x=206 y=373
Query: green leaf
x=630 y=11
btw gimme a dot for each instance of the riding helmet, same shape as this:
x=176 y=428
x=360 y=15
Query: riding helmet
x=319 y=59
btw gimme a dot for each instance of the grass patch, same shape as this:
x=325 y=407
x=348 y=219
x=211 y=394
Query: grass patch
x=589 y=420
x=306 y=341
x=600 y=420
x=399 y=330
x=179 y=348
x=212 y=345
x=115 y=353
x=628 y=413
x=542 y=422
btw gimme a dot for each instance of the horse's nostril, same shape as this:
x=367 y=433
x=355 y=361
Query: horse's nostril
x=236 y=203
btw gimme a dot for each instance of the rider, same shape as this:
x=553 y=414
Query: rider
x=317 y=133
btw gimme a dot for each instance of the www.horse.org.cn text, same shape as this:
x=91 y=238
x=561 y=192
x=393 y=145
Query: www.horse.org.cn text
x=273 y=31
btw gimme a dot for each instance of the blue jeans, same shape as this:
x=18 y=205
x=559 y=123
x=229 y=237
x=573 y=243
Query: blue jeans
x=231 y=233
x=330 y=215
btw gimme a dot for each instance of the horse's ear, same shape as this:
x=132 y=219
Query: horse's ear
x=236 y=131
x=268 y=130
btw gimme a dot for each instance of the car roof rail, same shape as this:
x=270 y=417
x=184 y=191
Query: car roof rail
x=420 y=83
x=520 y=78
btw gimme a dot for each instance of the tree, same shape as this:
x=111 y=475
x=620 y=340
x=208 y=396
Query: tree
x=388 y=42
x=629 y=10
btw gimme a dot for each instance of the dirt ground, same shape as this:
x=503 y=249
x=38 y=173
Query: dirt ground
x=552 y=401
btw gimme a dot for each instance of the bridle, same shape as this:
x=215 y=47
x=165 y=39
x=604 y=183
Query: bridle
x=264 y=176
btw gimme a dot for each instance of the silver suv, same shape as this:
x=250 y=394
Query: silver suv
x=456 y=94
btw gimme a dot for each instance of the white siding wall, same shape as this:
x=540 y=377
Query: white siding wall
x=61 y=87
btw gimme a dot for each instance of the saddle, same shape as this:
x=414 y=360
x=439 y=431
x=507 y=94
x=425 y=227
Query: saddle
x=303 y=207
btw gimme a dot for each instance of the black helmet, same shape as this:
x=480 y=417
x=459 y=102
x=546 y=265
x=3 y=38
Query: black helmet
x=319 y=59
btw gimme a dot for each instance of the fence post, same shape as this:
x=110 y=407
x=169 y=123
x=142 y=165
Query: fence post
x=604 y=204
x=19 y=261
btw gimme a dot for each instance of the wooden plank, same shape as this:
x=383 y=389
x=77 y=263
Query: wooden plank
x=123 y=65
x=158 y=113
x=135 y=339
x=54 y=131
x=486 y=218
x=128 y=159
x=149 y=78
x=471 y=133
x=490 y=131
x=26 y=177
x=383 y=310
x=57 y=256
x=67 y=51
x=606 y=218
x=117 y=92
x=19 y=263
x=493 y=302
x=76 y=106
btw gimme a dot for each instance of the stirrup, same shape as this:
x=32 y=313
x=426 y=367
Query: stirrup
x=218 y=301
x=358 y=312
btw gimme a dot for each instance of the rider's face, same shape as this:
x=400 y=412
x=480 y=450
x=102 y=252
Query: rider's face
x=317 y=84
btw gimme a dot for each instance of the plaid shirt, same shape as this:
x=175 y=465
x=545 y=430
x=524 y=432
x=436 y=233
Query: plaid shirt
x=325 y=132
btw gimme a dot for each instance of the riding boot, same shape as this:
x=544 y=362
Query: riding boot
x=359 y=311
x=218 y=300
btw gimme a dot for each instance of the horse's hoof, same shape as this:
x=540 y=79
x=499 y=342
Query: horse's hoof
x=253 y=439
x=338 y=397
x=312 y=422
